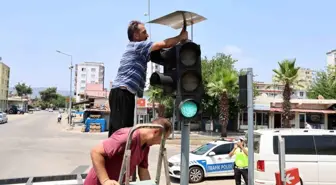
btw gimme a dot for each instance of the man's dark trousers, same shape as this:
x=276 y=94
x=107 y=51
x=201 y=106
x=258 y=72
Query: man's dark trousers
x=122 y=104
x=238 y=173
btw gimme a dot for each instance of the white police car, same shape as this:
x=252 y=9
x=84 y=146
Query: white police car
x=209 y=160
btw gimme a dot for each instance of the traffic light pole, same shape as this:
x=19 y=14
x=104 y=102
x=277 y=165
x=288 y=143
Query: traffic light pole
x=250 y=126
x=185 y=143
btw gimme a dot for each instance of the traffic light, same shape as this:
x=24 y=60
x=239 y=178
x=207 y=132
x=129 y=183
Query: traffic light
x=243 y=90
x=181 y=77
x=190 y=88
x=166 y=80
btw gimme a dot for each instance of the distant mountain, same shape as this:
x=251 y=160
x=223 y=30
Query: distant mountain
x=36 y=91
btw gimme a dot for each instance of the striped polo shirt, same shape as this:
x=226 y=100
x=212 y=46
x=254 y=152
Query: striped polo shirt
x=133 y=66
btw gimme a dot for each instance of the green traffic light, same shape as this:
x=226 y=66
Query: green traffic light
x=188 y=109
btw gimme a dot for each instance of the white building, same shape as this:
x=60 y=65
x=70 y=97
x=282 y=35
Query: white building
x=275 y=91
x=88 y=72
x=331 y=58
x=305 y=76
x=151 y=68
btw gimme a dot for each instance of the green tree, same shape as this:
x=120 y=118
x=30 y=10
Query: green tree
x=324 y=84
x=22 y=89
x=59 y=101
x=219 y=61
x=49 y=94
x=222 y=85
x=287 y=74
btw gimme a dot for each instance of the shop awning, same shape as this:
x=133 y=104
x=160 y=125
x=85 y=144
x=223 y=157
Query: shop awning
x=306 y=110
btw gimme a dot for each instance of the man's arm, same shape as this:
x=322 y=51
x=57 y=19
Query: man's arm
x=143 y=167
x=245 y=150
x=143 y=174
x=233 y=151
x=170 y=42
x=98 y=162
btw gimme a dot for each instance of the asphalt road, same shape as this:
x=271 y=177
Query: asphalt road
x=35 y=145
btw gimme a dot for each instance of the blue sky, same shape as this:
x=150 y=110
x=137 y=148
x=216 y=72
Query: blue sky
x=258 y=33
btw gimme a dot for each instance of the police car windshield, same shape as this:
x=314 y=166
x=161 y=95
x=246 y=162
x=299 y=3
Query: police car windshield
x=203 y=149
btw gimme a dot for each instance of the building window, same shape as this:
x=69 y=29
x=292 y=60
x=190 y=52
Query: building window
x=93 y=76
x=83 y=69
x=301 y=94
x=93 y=82
x=83 y=81
x=93 y=69
x=83 y=75
x=261 y=118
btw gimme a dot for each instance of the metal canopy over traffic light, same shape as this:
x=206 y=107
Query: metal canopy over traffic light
x=176 y=21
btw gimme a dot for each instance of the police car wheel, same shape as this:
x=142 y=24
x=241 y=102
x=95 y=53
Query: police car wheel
x=196 y=174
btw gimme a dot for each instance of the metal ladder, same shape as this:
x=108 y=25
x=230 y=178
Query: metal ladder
x=125 y=167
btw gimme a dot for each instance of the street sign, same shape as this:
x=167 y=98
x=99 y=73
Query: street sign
x=141 y=102
x=176 y=19
x=141 y=111
x=292 y=177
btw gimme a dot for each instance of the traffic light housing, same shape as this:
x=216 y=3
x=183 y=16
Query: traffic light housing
x=243 y=90
x=190 y=85
x=181 y=77
x=166 y=80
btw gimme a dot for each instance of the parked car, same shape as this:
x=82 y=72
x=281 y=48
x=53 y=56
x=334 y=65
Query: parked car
x=3 y=117
x=312 y=151
x=13 y=109
x=209 y=160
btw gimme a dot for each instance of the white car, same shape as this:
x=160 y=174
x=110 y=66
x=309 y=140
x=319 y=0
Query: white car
x=312 y=151
x=209 y=160
x=3 y=117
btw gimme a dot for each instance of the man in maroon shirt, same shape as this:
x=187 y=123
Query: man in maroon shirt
x=107 y=157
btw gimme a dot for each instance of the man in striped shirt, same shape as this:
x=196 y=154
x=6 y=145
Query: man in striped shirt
x=131 y=76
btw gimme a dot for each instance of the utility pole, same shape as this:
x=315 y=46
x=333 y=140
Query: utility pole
x=250 y=126
x=70 y=96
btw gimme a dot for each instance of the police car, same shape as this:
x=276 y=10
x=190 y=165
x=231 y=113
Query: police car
x=209 y=160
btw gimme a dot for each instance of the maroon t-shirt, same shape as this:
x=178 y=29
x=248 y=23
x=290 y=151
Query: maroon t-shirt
x=114 y=148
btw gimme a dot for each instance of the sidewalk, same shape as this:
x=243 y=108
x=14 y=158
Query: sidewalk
x=196 y=138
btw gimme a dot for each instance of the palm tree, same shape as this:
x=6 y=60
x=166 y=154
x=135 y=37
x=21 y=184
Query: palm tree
x=287 y=74
x=156 y=95
x=223 y=83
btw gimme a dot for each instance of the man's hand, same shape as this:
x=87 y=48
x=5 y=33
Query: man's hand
x=183 y=35
x=110 y=182
x=171 y=41
x=240 y=144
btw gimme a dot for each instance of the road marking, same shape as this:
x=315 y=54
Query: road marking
x=80 y=169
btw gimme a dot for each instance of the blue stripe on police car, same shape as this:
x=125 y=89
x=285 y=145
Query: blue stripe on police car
x=216 y=167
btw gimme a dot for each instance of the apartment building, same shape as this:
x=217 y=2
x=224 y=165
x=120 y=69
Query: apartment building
x=305 y=76
x=331 y=58
x=275 y=91
x=4 y=85
x=88 y=73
